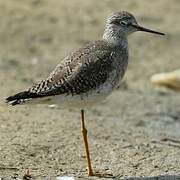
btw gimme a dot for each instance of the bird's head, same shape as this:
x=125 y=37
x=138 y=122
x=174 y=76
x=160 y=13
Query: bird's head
x=124 y=23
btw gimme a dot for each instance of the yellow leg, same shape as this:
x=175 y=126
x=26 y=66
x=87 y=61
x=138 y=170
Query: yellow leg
x=84 y=133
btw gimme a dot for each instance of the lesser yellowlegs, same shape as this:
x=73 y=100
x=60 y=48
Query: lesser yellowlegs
x=88 y=75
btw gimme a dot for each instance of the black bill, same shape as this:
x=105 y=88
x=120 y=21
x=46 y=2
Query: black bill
x=140 y=28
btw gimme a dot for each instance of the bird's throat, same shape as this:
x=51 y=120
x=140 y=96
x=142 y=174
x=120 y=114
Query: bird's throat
x=112 y=36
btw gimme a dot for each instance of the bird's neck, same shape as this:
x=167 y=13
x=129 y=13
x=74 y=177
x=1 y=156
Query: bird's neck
x=115 y=37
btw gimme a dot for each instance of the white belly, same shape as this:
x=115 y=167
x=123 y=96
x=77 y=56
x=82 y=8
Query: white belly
x=77 y=101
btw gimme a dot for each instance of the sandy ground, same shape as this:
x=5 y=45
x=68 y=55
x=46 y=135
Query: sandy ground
x=134 y=133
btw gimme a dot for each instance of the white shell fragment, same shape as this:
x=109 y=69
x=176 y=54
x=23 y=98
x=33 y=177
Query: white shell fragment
x=65 y=178
x=170 y=80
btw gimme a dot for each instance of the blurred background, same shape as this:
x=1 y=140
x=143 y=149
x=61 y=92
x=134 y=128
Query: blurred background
x=34 y=36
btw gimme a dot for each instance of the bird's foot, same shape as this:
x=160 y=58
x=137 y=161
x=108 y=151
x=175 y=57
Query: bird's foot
x=98 y=174
x=103 y=175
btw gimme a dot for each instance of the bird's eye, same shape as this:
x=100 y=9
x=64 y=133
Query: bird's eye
x=123 y=23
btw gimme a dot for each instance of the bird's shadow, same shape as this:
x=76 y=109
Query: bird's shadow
x=119 y=177
x=160 y=177
x=97 y=176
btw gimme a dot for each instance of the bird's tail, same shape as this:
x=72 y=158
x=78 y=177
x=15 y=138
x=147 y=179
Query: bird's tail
x=20 y=98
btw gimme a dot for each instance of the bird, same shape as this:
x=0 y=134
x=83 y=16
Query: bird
x=88 y=75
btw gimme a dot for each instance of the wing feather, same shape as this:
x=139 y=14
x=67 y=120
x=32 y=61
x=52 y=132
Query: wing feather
x=81 y=71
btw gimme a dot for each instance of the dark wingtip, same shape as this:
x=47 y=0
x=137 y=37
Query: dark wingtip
x=17 y=98
x=9 y=99
x=21 y=97
x=13 y=103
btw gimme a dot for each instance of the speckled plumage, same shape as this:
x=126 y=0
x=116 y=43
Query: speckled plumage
x=88 y=75
x=83 y=72
x=92 y=71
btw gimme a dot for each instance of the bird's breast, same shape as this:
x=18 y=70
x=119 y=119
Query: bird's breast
x=119 y=63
